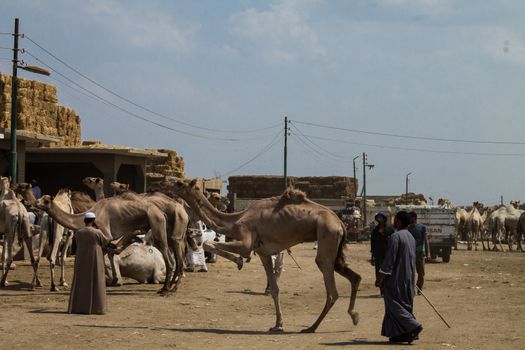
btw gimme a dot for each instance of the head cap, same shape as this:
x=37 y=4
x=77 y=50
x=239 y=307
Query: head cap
x=380 y=214
x=90 y=215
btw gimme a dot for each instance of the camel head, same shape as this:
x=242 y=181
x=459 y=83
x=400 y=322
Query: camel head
x=515 y=203
x=4 y=184
x=24 y=189
x=44 y=202
x=220 y=203
x=118 y=187
x=185 y=189
x=478 y=205
x=93 y=182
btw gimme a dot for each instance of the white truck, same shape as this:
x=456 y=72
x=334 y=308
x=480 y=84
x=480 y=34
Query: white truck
x=441 y=228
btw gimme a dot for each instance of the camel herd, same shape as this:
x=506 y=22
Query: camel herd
x=493 y=225
x=266 y=228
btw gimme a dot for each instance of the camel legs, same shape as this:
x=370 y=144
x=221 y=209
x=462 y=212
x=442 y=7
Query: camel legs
x=212 y=247
x=68 y=237
x=274 y=291
x=327 y=268
x=52 y=257
x=7 y=257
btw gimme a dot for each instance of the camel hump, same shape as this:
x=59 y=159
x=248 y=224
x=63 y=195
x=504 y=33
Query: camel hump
x=293 y=195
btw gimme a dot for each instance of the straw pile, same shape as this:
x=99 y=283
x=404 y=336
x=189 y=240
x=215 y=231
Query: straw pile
x=157 y=169
x=330 y=187
x=38 y=110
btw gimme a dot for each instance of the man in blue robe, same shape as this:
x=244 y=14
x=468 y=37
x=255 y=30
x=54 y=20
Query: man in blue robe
x=396 y=276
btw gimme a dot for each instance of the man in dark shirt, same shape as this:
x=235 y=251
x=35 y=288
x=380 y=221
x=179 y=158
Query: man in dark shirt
x=419 y=232
x=378 y=241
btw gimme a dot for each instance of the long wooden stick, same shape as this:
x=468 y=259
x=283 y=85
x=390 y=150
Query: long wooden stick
x=437 y=312
x=291 y=256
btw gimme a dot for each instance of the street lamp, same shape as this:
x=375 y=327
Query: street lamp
x=14 y=93
x=406 y=188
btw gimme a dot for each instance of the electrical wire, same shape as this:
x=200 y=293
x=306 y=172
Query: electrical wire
x=418 y=149
x=330 y=154
x=5 y=48
x=3 y=33
x=140 y=106
x=313 y=152
x=410 y=136
x=125 y=110
x=269 y=146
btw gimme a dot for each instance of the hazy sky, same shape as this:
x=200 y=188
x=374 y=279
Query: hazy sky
x=441 y=69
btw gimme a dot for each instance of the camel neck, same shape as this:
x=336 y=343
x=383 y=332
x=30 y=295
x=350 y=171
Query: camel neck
x=217 y=220
x=71 y=221
x=99 y=194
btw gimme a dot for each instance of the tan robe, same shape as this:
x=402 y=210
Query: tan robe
x=88 y=291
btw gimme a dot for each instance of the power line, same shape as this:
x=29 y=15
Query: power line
x=140 y=106
x=419 y=149
x=339 y=157
x=125 y=110
x=311 y=151
x=411 y=136
x=264 y=150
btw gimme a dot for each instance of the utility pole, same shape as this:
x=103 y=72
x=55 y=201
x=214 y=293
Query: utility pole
x=355 y=178
x=365 y=223
x=14 y=93
x=501 y=199
x=406 y=188
x=285 y=152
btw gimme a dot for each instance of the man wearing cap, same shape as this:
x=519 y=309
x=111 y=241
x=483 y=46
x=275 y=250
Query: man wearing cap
x=88 y=291
x=378 y=241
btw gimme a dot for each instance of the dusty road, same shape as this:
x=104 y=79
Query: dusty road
x=480 y=293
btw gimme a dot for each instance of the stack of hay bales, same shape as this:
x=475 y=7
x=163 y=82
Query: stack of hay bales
x=158 y=169
x=329 y=187
x=38 y=110
x=410 y=199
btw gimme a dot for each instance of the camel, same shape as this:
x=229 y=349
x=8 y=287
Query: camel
x=515 y=203
x=461 y=224
x=141 y=262
x=118 y=187
x=511 y=224
x=444 y=203
x=474 y=224
x=81 y=202
x=520 y=231
x=269 y=226
x=60 y=237
x=122 y=216
x=14 y=220
x=97 y=185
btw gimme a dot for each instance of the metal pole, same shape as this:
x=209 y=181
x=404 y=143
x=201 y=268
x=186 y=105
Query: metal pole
x=285 y=151
x=355 y=178
x=364 y=191
x=14 y=92
x=406 y=188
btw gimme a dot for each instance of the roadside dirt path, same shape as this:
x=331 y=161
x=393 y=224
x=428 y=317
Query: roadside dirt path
x=480 y=293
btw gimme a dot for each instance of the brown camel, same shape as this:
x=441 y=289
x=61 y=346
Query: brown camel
x=272 y=225
x=97 y=185
x=81 y=202
x=520 y=231
x=123 y=216
x=473 y=225
x=118 y=187
x=59 y=236
x=14 y=221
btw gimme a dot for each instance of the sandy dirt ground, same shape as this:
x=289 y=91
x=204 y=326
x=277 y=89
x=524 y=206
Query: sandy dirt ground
x=481 y=294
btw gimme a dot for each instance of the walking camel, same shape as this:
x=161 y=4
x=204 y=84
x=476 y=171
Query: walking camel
x=120 y=218
x=272 y=225
x=473 y=225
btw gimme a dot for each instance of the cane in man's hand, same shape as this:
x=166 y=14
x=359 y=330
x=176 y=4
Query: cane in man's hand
x=433 y=307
